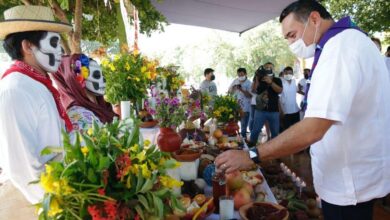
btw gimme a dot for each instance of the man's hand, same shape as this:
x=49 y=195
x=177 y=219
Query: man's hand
x=232 y=160
x=267 y=79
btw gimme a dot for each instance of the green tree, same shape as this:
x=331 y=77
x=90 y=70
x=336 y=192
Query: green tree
x=370 y=15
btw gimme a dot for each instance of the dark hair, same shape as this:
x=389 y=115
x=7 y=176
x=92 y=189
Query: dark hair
x=302 y=10
x=267 y=63
x=13 y=42
x=306 y=69
x=374 y=39
x=241 y=69
x=287 y=68
x=207 y=71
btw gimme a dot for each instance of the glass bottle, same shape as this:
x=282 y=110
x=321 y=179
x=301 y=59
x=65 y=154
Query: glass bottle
x=219 y=187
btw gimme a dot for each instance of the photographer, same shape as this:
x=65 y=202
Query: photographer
x=267 y=87
x=241 y=88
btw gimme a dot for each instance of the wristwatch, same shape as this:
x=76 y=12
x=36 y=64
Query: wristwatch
x=254 y=154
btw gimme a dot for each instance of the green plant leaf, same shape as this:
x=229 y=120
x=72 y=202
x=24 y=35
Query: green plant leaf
x=104 y=163
x=91 y=175
x=140 y=181
x=140 y=211
x=142 y=199
x=50 y=150
x=159 y=206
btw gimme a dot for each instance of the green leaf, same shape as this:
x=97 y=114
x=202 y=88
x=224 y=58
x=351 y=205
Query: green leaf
x=140 y=181
x=142 y=199
x=104 y=163
x=159 y=206
x=46 y=204
x=50 y=150
x=148 y=185
x=140 y=211
x=91 y=175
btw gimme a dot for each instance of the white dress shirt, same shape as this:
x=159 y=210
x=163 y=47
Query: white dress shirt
x=288 y=97
x=29 y=121
x=351 y=86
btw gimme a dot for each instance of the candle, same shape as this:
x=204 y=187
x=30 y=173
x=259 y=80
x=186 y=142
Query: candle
x=288 y=172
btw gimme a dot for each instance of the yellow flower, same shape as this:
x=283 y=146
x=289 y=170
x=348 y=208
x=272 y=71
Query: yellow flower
x=49 y=169
x=146 y=143
x=127 y=66
x=84 y=72
x=170 y=182
x=134 y=148
x=112 y=67
x=90 y=131
x=46 y=181
x=162 y=161
x=143 y=69
x=54 y=208
x=134 y=169
x=84 y=150
x=105 y=62
x=116 y=57
x=152 y=165
x=145 y=171
x=141 y=156
x=136 y=79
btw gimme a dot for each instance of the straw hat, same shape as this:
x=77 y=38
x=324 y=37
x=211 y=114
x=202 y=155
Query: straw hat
x=30 y=18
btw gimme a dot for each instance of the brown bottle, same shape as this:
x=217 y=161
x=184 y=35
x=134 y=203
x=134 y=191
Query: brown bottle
x=219 y=188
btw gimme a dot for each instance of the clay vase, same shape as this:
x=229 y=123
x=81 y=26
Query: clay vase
x=231 y=128
x=168 y=140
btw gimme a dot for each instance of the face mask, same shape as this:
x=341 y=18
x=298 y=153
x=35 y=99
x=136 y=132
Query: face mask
x=300 y=49
x=242 y=78
x=212 y=77
x=288 y=77
x=95 y=82
x=48 y=55
x=270 y=74
x=306 y=76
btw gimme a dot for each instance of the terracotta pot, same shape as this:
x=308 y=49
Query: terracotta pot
x=231 y=128
x=168 y=140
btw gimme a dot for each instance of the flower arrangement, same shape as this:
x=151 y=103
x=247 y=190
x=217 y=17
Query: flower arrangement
x=114 y=176
x=169 y=79
x=226 y=108
x=127 y=77
x=168 y=111
x=81 y=68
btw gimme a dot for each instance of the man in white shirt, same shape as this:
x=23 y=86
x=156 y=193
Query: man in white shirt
x=303 y=82
x=31 y=115
x=241 y=88
x=288 y=100
x=347 y=118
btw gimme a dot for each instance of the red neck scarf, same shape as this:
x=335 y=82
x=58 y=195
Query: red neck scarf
x=29 y=71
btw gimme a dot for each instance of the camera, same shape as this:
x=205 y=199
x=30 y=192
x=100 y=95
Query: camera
x=261 y=72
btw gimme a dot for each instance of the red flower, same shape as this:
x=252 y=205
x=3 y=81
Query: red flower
x=123 y=163
x=137 y=217
x=101 y=191
x=110 y=209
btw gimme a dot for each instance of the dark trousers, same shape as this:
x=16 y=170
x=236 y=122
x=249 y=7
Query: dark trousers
x=360 y=211
x=289 y=120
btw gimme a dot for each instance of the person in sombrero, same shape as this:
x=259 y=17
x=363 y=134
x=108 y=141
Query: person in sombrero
x=31 y=114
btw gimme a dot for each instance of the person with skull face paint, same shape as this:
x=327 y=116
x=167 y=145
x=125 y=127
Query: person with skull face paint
x=81 y=84
x=31 y=113
x=347 y=116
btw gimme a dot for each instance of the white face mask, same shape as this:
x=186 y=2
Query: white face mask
x=288 y=77
x=95 y=82
x=299 y=47
x=242 y=78
x=49 y=54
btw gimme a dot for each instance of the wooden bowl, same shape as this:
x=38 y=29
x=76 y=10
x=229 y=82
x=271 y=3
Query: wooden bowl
x=187 y=155
x=148 y=124
x=244 y=209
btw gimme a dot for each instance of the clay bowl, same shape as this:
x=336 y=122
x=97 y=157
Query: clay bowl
x=244 y=209
x=187 y=155
x=148 y=124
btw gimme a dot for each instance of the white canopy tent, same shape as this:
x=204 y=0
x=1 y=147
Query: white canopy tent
x=229 y=15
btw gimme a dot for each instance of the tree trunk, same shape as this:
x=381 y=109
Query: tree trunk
x=121 y=29
x=76 y=38
x=60 y=14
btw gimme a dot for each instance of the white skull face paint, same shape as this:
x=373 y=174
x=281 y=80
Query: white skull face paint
x=95 y=82
x=49 y=54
